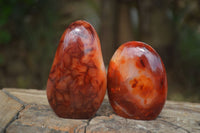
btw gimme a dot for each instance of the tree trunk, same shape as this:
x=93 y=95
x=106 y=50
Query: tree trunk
x=125 y=31
x=155 y=26
x=108 y=29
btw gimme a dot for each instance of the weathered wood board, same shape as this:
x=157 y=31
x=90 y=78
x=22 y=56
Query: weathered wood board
x=27 y=110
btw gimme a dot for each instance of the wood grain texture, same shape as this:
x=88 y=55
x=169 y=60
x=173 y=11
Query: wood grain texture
x=28 y=96
x=8 y=110
x=181 y=117
x=40 y=118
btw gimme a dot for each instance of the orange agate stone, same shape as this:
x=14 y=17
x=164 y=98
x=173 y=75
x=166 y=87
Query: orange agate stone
x=77 y=81
x=137 y=82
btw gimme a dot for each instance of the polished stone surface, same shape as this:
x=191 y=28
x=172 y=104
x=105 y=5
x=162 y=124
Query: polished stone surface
x=77 y=81
x=137 y=82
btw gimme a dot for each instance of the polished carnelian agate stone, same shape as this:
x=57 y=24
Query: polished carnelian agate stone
x=137 y=82
x=77 y=81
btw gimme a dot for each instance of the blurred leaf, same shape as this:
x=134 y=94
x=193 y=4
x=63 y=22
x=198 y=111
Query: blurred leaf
x=3 y=22
x=190 y=45
x=5 y=13
x=23 y=82
x=94 y=5
x=1 y=59
x=29 y=2
x=5 y=37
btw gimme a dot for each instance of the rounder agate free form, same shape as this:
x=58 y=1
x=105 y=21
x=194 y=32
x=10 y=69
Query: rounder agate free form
x=137 y=82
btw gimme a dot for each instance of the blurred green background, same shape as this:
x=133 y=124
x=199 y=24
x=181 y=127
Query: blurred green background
x=30 y=31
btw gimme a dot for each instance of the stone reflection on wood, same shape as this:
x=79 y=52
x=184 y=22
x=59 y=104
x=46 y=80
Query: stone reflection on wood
x=137 y=82
x=77 y=81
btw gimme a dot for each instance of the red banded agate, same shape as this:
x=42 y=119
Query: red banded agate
x=137 y=82
x=77 y=81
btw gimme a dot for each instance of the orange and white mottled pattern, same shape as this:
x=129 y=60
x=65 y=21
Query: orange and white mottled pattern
x=137 y=82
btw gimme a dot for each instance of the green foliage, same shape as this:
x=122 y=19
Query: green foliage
x=5 y=37
x=28 y=44
x=1 y=60
x=94 y=5
x=5 y=13
x=11 y=10
x=190 y=46
x=187 y=57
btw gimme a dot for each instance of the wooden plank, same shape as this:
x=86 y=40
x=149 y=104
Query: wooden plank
x=8 y=110
x=28 y=96
x=40 y=118
x=182 y=117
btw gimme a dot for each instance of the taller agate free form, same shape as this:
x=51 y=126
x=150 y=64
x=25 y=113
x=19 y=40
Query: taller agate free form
x=77 y=81
x=137 y=82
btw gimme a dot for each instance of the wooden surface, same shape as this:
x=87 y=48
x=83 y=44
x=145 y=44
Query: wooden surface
x=27 y=111
x=8 y=110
